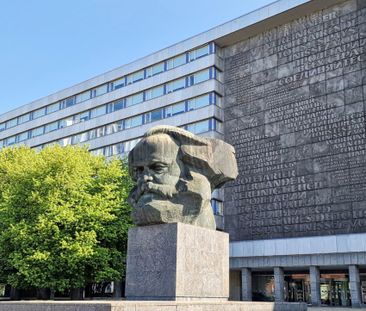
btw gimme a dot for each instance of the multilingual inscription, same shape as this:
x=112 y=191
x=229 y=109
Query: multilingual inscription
x=295 y=113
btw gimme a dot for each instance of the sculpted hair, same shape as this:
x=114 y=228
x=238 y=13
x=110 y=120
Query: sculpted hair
x=212 y=158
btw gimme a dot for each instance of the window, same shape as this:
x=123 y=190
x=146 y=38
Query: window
x=117 y=149
x=51 y=127
x=203 y=51
x=96 y=133
x=2 y=127
x=154 y=92
x=217 y=207
x=11 y=123
x=99 y=111
x=154 y=115
x=118 y=105
x=37 y=131
x=132 y=122
x=22 y=137
x=176 y=61
x=1 y=143
x=175 y=109
x=10 y=140
x=52 y=108
x=66 y=122
x=114 y=127
x=176 y=85
x=82 y=97
x=134 y=77
x=39 y=113
x=134 y=99
x=100 y=90
x=65 y=141
x=201 y=76
x=154 y=70
x=68 y=102
x=81 y=117
x=79 y=138
x=199 y=127
x=217 y=100
x=24 y=118
x=218 y=126
x=97 y=152
x=117 y=84
x=196 y=103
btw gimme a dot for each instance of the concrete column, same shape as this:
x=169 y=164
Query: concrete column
x=315 y=286
x=355 y=286
x=279 y=284
x=246 y=284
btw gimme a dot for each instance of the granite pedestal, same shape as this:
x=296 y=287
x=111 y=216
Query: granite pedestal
x=177 y=262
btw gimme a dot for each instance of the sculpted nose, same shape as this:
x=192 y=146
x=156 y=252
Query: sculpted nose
x=147 y=177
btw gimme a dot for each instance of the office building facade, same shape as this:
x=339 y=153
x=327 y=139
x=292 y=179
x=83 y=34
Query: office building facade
x=285 y=85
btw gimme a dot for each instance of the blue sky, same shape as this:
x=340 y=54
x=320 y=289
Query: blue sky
x=48 y=45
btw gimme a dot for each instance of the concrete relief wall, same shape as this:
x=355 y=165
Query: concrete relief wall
x=295 y=113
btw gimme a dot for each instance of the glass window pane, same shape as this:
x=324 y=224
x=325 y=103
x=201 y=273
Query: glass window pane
x=84 y=116
x=68 y=102
x=100 y=90
x=10 y=140
x=37 y=131
x=176 y=61
x=52 y=108
x=154 y=70
x=112 y=128
x=22 y=136
x=24 y=118
x=2 y=127
x=97 y=152
x=154 y=92
x=134 y=99
x=118 y=105
x=156 y=115
x=117 y=84
x=132 y=122
x=65 y=141
x=199 y=102
x=218 y=126
x=201 y=76
x=99 y=111
x=39 y=113
x=178 y=108
x=203 y=51
x=82 y=97
x=66 y=122
x=51 y=127
x=134 y=77
x=176 y=85
x=11 y=123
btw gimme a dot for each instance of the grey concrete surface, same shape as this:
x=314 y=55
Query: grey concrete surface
x=149 y=306
x=177 y=262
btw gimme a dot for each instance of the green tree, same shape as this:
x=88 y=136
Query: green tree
x=63 y=217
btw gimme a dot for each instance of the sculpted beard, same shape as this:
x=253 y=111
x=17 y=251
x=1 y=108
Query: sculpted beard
x=146 y=191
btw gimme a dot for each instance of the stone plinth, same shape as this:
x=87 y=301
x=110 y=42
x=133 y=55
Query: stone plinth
x=177 y=262
x=148 y=306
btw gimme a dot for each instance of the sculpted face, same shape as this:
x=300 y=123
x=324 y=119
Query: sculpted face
x=166 y=191
x=155 y=167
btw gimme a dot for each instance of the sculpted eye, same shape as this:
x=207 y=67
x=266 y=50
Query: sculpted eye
x=158 y=167
x=138 y=170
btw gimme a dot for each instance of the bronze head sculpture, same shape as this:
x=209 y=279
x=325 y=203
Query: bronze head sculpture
x=176 y=172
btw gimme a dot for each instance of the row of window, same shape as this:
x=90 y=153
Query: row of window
x=114 y=85
x=217 y=207
x=198 y=77
x=122 y=149
x=145 y=118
